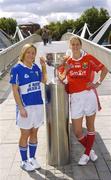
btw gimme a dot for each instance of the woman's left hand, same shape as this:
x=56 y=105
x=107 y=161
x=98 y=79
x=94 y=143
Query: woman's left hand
x=42 y=61
x=91 y=85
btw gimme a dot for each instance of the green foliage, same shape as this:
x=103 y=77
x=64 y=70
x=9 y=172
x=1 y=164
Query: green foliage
x=58 y=28
x=103 y=16
x=78 y=24
x=8 y=25
x=93 y=17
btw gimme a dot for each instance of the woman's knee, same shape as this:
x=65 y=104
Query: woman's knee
x=77 y=127
x=24 y=135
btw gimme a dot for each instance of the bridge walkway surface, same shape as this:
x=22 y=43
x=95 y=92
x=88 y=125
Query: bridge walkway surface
x=9 y=135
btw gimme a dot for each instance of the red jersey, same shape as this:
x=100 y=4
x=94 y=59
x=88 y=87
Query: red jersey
x=80 y=72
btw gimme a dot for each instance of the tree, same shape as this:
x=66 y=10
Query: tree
x=8 y=25
x=59 y=28
x=78 y=24
x=67 y=25
x=95 y=18
x=55 y=29
x=103 y=16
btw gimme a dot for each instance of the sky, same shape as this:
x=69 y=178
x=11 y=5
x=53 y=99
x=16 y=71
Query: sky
x=45 y=11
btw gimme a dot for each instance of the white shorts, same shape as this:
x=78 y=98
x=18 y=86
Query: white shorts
x=34 y=119
x=83 y=103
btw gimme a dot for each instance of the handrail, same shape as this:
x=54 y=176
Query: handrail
x=10 y=54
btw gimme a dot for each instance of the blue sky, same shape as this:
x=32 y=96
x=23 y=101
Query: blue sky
x=46 y=11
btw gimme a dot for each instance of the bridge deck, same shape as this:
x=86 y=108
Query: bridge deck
x=9 y=133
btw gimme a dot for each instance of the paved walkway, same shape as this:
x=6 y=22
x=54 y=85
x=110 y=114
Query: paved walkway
x=9 y=134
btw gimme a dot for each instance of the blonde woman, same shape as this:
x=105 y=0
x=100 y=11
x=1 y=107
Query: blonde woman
x=78 y=73
x=26 y=78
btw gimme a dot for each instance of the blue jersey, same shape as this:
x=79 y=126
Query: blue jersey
x=28 y=80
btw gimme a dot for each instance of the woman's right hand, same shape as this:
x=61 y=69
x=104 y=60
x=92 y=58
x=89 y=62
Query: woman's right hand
x=65 y=58
x=42 y=61
x=62 y=76
x=23 y=112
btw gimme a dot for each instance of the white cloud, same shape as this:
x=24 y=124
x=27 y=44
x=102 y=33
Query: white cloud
x=45 y=11
x=61 y=16
x=109 y=6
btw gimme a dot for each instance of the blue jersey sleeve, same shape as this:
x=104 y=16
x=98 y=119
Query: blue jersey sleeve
x=14 y=76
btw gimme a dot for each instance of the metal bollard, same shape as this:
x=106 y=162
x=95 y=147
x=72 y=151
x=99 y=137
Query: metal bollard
x=57 y=124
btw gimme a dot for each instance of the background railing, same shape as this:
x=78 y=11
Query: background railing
x=9 y=55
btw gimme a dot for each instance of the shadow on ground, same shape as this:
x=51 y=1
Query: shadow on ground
x=100 y=170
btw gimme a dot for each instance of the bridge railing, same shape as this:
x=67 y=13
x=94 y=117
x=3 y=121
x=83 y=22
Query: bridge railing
x=10 y=54
x=100 y=52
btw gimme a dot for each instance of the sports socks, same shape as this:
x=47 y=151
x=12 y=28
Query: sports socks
x=83 y=140
x=90 y=141
x=87 y=141
x=32 y=149
x=23 y=153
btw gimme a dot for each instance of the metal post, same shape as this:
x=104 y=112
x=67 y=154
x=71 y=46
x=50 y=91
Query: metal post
x=57 y=124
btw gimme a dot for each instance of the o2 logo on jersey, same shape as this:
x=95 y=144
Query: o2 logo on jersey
x=85 y=65
x=26 y=76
